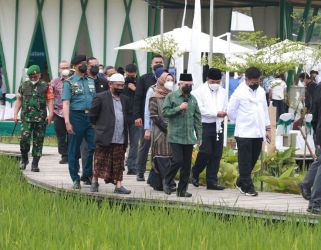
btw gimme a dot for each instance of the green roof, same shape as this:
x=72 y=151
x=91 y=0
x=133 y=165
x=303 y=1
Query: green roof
x=228 y=3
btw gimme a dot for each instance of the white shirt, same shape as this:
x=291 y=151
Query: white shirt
x=249 y=111
x=301 y=84
x=278 y=87
x=210 y=102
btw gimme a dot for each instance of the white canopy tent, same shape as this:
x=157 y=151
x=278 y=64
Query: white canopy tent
x=183 y=38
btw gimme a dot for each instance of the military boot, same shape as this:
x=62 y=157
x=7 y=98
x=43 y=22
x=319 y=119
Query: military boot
x=34 y=166
x=24 y=161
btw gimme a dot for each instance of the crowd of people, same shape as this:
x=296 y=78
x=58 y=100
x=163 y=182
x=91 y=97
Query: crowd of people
x=99 y=113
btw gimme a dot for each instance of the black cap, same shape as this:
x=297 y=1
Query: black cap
x=214 y=74
x=78 y=59
x=185 y=77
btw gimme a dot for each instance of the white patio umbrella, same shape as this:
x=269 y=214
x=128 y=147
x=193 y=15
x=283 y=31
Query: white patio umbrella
x=183 y=36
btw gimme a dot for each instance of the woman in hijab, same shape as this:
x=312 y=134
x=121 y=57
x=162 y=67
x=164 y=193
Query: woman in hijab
x=160 y=149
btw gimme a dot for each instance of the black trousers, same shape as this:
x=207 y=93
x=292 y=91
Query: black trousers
x=281 y=108
x=210 y=154
x=181 y=160
x=249 y=150
x=61 y=134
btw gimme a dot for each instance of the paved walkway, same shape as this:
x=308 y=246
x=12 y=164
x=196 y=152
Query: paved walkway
x=54 y=176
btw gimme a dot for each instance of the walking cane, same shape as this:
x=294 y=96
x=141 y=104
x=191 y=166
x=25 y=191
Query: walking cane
x=307 y=144
x=14 y=128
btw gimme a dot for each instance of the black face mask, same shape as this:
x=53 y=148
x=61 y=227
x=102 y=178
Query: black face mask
x=254 y=86
x=83 y=68
x=130 y=80
x=94 y=70
x=187 y=89
x=118 y=91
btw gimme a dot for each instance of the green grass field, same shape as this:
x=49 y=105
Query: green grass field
x=31 y=218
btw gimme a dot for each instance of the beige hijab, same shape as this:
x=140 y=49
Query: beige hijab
x=160 y=91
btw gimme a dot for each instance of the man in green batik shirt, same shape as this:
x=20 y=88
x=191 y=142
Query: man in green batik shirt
x=184 y=121
x=33 y=98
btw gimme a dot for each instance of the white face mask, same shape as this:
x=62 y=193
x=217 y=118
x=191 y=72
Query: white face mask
x=101 y=71
x=65 y=72
x=169 y=85
x=214 y=87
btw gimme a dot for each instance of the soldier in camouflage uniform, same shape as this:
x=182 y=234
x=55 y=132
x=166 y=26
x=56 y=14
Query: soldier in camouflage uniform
x=33 y=98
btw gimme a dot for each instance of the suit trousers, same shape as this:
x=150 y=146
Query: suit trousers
x=210 y=154
x=249 y=150
x=181 y=160
x=61 y=134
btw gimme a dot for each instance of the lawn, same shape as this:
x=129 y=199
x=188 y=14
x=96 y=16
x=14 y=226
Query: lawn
x=31 y=218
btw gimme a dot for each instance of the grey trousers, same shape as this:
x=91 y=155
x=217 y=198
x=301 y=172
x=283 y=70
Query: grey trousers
x=83 y=152
x=312 y=171
x=134 y=135
x=316 y=190
x=142 y=153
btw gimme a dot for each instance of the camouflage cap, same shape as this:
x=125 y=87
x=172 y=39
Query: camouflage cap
x=33 y=69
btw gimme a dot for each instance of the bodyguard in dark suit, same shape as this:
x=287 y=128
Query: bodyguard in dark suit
x=145 y=81
x=109 y=115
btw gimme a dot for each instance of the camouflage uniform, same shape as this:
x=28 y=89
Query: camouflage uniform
x=33 y=115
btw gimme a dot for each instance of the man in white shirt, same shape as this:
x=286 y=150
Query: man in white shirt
x=248 y=110
x=212 y=101
x=277 y=95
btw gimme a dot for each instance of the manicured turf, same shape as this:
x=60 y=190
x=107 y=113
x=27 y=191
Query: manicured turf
x=31 y=218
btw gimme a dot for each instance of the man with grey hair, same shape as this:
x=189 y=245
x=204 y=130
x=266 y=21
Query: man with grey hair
x=59 y=121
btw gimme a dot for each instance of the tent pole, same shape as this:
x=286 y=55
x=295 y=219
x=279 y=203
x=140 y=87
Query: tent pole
x=162 y=28
x=211 y=32
x=227 y=87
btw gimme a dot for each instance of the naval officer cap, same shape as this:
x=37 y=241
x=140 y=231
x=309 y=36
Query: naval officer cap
x=78 y=59
x=33 y=69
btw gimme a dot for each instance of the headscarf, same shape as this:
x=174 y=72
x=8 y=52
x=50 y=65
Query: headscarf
x=160 y=91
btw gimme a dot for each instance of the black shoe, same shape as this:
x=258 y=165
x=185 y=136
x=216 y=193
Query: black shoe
x=305 y=191
x=251 y=191
x=64 y=160
x=76 y=185
x=122 y=190
x=86 y=180
x=215 y=187
x=140 y=177
x=131 y=172
x=185 y=194
x=167 y=189
x=173 y=189
x=195 y=181
x=240 y=187
x=24 y=161
x=34 y=165
x=94 y=187
x=314 y=210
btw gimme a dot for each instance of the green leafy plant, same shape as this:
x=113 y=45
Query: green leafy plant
x=280 y=172
x=167 y=46
x=267 y=58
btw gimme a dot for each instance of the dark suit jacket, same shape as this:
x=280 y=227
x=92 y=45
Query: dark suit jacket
x=102 y=115
x=143 y=84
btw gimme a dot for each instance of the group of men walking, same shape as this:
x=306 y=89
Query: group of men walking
x=97 y=115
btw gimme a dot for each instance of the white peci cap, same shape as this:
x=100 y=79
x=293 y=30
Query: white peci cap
x=117 y=78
